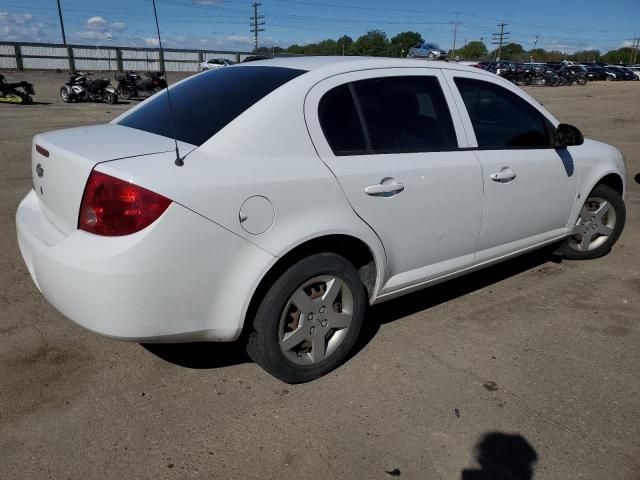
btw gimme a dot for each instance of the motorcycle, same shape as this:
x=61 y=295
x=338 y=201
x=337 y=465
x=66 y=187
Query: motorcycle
x=132 y=85
x=10 y=93
x=80 y=88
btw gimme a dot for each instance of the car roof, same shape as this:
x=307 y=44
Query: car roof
x=343 y=64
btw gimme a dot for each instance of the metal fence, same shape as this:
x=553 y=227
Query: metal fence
x=43 y=56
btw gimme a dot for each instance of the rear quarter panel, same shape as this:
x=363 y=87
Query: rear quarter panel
x=267 y=152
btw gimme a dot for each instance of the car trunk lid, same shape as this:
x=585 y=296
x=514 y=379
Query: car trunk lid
x=62 y=160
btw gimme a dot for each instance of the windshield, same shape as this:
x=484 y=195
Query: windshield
x=204 y=104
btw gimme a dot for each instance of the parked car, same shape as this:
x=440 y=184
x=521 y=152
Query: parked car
x=599 y=73
x=636 y=71
x=427 y=50
x=364 y=179
x=629 y=73
x=255 y=58
x=215 y=63
x=621 y=73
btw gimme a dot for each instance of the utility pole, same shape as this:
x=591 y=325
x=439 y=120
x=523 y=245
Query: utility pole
x=72 y=66
x=499 y=38
x=256 y=22
x=535 y=44
x=64 y=37
x=455 y=35
x=634 y=51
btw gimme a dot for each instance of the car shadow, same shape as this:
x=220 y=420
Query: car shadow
x=200 y=355
x=206 y=355
x=503 y=456
x=430 y=297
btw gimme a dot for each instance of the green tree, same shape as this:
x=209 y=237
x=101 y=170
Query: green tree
x=344 y=44
x=556 y=56
x=621 y=55
x=326 y=47
x=511 y=51
x=374 y=43
x=585 y=56
x=402 y=42
x=475 y=50
x=537 y=55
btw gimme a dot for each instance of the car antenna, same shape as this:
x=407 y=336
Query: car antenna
x=178 y=161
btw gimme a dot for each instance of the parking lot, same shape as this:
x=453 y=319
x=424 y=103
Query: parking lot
x=532 y=362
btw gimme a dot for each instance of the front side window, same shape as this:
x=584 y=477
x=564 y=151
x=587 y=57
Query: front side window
x=206 y=103
x=406 y=114
x=501 y=119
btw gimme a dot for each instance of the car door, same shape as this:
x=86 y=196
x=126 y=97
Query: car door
x=529 y=187
x=392 y=142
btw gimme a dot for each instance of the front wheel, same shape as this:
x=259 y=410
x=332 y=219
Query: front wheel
x=110 y=98
x=309 y=320
x=582 y=81
x=65 y=96
x=599 y=225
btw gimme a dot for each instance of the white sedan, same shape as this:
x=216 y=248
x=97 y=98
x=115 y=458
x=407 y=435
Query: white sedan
x=304 y=190
x=214 y=63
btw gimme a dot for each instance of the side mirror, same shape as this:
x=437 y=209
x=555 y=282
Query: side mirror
x=568 y=136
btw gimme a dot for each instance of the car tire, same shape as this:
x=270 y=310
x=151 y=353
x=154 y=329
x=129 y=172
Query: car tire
x=292 y=336
x=596 y=224
x=205 y=69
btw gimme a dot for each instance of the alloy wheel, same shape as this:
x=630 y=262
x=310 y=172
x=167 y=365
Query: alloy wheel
x=315 y=320
x=594 y=226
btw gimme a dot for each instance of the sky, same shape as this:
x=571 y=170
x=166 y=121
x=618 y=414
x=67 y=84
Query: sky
x=566 y=25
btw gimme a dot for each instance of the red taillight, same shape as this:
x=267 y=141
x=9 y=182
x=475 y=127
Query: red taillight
x=114 y=207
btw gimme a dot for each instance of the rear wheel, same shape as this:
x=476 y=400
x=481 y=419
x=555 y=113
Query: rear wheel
x=599 y=225
x=309 y=320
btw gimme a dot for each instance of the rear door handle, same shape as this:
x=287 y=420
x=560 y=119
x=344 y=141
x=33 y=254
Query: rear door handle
x=383 y=189
x=505 y=175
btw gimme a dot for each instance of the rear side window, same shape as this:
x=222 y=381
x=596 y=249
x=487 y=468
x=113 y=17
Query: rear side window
x=406 y=114
x=340 y=122
x=501 y=119
x=204 y=104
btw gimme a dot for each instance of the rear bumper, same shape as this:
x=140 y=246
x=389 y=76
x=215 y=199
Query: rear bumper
x=184 y=278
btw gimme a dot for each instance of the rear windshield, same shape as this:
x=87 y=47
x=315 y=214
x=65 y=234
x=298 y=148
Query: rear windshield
x=207 y=102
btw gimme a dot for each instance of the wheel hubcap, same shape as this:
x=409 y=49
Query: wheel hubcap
x=315 y=320
x=594 y=226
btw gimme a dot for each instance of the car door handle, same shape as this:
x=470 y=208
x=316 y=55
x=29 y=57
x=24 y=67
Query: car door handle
x=505 y=175
x=384 y=188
